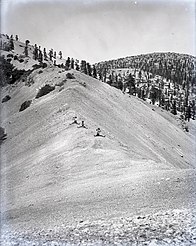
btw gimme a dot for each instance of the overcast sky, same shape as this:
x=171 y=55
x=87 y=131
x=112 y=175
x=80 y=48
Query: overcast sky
x=96 y=30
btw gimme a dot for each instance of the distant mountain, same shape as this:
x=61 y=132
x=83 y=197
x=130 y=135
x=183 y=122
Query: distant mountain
x=178 y=68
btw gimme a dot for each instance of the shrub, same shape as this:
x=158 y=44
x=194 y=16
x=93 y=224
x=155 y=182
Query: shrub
x=25 y=105
x=21 y=60
x=6 y=69
x=16 y=74
x=70 y=76
x=36 y=66
x=44 y=65
x=6 y=98
x=9 y=59
x=15 y=57
x=10 y=55
x=45 y=90
x=40 y=71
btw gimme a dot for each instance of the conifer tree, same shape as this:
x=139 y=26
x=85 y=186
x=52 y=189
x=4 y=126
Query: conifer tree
x=67 y=64
x=40 y=56
x=89 y=69
x=77 y=66
x=131 y=84
x=60 y=54
x=26 y=51
x=55 y=55
x=27 y=42
x=173 y=108
x=35 y=52
x=11 y=43
x=16 y=37
x=94 y=72
x=51 y=54
x=83 y=67
x=72 y=63
x=45 y=54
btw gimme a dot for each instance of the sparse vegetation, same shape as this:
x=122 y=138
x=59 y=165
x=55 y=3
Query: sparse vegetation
x=10 y=55
x=70 y=76
x=6 y=98
x=44 y=65
x=36 y=66
x=25 y=105
x=9 y=59
x=45 y=90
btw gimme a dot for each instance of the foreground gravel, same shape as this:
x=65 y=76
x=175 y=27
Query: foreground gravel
x=174 y=227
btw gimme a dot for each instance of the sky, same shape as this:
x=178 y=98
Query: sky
x=99 y=30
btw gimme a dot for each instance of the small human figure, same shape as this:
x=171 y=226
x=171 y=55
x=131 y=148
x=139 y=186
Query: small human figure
x=82 y=125
x=3 y=134
x=98 y=133
x=74 y=121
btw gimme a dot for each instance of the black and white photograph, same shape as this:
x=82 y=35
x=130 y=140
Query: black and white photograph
x=98 y=122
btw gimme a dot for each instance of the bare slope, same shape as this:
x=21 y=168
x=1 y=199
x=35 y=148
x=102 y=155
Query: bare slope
x=48 y=163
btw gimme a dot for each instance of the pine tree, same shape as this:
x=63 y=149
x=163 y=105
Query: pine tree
x=11 y=43
x=51 y=54
x=27 y=42
x=72 y=63
x=83 y=67
x=77 y=65
x=45 y=54
x=16 y=37
x=67 y=64
x=55 y=55
x=40 y=57
x=60 y=54
x=26 y=50
x=89 y=69
x=35 y=52
x=173 y=108
x=94 y=72
x=193 y=109
x=131 y=84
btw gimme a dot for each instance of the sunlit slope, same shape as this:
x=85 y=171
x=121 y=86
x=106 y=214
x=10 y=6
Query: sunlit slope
x=132 y=128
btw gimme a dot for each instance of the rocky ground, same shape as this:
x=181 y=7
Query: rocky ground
x=174 y=227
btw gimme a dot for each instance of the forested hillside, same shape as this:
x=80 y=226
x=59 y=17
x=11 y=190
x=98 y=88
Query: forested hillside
x=167 y=79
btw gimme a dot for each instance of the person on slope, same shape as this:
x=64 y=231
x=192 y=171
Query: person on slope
x=3 y=134
x=98 y=130
x=82 y=125
x=74 y=121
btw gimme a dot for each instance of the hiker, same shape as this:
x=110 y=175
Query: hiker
x=3 y=134
x=74 y=121
x=83 y=126
x=98 y=133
